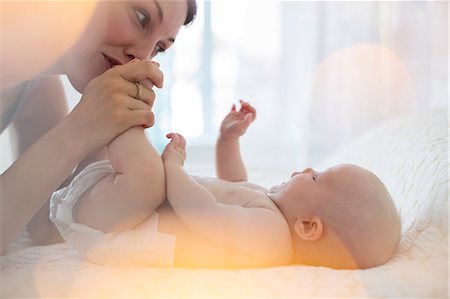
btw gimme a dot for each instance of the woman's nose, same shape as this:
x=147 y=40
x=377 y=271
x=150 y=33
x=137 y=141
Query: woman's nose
x=142 y=49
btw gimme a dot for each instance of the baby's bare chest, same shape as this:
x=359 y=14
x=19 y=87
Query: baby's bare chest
x=239 y=194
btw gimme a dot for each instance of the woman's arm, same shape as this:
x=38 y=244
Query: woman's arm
x=107 y=108
x=29 y=182
x=43 y=109
x=123 y=199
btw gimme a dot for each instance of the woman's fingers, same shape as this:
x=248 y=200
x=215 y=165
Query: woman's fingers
x=145 y=94
x=141 y=118
x=113 y=102
x=138 y=70
x=134 y=104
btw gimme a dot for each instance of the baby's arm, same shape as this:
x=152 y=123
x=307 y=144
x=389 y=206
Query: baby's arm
x=229 y=164
x=254 y=231
x=123 y=199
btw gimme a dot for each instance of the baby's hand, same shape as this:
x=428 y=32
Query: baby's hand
x=175 y=149
x=235 y=124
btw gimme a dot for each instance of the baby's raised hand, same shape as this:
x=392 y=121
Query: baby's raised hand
x=175 y=151
x=235 y=124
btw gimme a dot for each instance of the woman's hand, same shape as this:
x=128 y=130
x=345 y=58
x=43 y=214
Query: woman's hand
x=175 y=151
x=235 y=124
x=114 y=102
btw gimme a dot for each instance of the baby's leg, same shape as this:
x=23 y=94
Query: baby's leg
x=125 y=198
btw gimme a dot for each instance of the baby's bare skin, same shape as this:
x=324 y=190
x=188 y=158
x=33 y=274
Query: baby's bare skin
x=193 y=250
x=313 y=218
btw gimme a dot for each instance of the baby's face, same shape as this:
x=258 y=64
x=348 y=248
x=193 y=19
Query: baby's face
x=310 y=188
x=352 y=204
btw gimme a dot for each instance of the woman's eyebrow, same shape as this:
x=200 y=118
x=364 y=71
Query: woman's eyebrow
x=160 y=12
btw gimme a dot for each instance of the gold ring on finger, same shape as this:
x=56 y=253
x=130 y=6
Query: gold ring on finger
x=139 y=90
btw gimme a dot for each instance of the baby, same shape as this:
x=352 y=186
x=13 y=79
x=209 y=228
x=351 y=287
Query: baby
x=342 y=217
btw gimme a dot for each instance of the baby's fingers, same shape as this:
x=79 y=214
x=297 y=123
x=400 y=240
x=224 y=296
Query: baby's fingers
x=249 y=118
x=247 y=108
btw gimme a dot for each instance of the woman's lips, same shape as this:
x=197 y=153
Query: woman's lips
x=110 y=61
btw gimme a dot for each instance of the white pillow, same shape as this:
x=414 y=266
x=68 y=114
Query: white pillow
x=409 y=155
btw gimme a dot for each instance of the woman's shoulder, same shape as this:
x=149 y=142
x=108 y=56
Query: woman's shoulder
x=42 y=99
x=12 y=99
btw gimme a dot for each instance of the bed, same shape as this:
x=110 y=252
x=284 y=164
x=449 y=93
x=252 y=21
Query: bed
x=408 y=153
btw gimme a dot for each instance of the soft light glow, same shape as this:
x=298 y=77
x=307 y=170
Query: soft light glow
x=34 y=34
x=354 y=89
x=187 y=114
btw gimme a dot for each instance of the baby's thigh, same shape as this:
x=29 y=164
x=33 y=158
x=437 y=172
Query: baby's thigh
x=108 y=207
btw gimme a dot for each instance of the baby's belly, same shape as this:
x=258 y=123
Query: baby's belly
x=196 y=252
x=234 y=193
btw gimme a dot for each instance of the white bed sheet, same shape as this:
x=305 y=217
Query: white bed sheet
x=409 y=154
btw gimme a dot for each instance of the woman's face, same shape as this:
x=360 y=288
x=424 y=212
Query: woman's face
x=120 y=31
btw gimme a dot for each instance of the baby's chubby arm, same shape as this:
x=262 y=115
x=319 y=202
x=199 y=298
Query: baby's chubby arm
x=250 y=230
x=229 y=164
x=122 y=200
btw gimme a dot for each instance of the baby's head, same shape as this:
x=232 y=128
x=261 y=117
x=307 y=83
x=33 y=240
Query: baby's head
x=342 y=217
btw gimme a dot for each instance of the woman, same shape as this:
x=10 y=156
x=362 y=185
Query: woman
x=108 y=65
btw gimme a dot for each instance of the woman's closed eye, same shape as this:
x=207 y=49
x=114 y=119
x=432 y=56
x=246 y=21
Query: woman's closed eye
x=160 y=49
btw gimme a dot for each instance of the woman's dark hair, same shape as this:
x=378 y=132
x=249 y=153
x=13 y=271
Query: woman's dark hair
x=191 y=11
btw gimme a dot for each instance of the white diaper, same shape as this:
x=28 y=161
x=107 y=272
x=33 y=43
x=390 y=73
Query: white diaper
x=142 y=246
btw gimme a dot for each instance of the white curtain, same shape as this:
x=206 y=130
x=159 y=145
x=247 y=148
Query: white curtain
x=363 y=62
x=320 y=73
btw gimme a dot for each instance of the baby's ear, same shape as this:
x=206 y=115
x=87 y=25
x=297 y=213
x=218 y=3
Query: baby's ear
x=308 y=229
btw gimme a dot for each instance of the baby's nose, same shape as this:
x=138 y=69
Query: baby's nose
x=308 y=170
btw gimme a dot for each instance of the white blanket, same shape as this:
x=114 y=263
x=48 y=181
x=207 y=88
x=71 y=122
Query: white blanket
x=410 y=156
